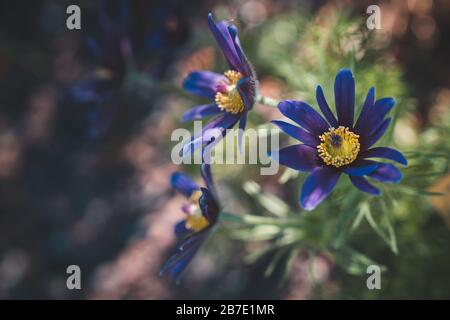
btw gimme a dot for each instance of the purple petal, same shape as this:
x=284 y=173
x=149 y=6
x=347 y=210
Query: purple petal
x=387 y=153
x=242 y=124
x=246 y=88
x=225 y=41
x=299 y=157
x=214 y=131
x=246 y=69
x=323 y=105
x=375 y=135
x=178 y=262
x=304 y=115
x=297 y=133
x=209 y=206
x=183 y=183
x=363 y=185
x=386 y=172
x=361 y=168
x=368 y=103
x=180 y=229
x=344 y=95
x=91 y=90
x=318 y=186
x=205 y=170
x=192 y=239
x=374 y=115
x=203 y=83
x=201 y=112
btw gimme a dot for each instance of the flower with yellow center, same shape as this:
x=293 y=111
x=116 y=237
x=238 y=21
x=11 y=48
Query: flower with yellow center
x=232 y=94
x=334 y=145
x=195 y=220
x=229 y=98
x=339 y=146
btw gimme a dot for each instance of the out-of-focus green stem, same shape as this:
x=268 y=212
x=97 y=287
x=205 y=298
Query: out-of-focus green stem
x=260 y=220
x=267 y=101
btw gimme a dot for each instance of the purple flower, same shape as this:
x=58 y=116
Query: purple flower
x=101 y=88
x=201 y=210
x=233 y=92
x=333 y=146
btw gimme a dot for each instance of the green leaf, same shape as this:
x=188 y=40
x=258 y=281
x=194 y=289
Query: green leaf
x=389 y=238
x=231 y=217
x=390 y=228
x=287 y=264
x=257 y=233
x=346 y=215
x=352 y=261
x=357 y=222
x=272 y=203
x=287 y=175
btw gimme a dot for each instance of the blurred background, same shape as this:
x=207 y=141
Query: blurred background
x=85 y=123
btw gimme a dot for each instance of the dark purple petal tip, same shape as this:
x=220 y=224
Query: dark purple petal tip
x=386 y=153
x=183 y=183
x=203 y=83
x=304 y=115
x=297 y=133
x=226 y=42
x=180 y=229
x=299 y=157
x=318 y=186
x=323 y=105
x=363 y=168
x=368 y=104
x=201 y=112
x=247 y=90
x=344 y=95
x=387 y=172
x=363 y=185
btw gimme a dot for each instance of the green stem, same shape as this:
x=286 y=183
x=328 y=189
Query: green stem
x=267 y=101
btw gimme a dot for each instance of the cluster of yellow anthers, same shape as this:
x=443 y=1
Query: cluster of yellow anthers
x=195 y=220
x=230 y=101
x=339 y=146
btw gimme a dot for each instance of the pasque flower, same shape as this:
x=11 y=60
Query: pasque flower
x=130 y=48
x=201 y=213
x=335 y=146
x=232 y=93
x=100 y=88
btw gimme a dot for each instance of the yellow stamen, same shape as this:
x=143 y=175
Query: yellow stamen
x=104 y=73
x=195 y=196
x=230 y=101
x=339 y=147
x=195 y=221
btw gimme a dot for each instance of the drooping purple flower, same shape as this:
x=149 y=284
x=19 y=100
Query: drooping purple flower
x=109 y=49
x=131 y=47
x=201 y=210
x=232 y=93
x=335 y=146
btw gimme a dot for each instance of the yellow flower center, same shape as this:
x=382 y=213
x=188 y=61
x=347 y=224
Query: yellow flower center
x=195 y=221
x=195 y=196
x=230 y=100
x=104 y=73
x=339 y=146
